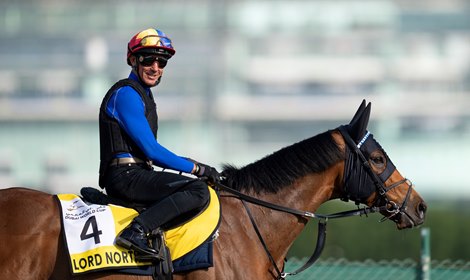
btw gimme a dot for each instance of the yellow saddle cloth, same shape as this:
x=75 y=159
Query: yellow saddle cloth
x=90 y=230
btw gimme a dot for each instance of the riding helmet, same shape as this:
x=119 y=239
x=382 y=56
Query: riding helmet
x=150 y=41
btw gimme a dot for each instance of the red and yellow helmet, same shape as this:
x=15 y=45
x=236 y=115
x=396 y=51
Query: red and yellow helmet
x=150 y=41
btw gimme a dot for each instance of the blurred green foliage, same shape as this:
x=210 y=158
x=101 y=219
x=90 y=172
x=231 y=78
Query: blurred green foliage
x=360 y=238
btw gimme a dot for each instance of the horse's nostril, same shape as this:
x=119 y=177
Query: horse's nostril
x=422 y=207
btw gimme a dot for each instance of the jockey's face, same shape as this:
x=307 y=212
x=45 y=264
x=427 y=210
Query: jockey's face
x=148 y=75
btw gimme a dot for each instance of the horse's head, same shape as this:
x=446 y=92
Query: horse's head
x=371 y=178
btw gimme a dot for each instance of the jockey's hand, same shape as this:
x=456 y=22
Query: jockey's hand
x=204 y=170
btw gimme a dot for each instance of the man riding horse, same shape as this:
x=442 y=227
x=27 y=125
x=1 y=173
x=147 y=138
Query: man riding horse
x=128 y=124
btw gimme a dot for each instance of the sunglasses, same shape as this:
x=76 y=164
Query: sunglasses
x=150 y=59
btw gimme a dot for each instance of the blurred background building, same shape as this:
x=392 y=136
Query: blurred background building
x=248 y=78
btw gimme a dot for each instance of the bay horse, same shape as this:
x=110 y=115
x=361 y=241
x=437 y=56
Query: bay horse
x=345 y=163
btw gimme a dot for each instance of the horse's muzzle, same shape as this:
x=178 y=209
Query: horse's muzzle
x=411 y=217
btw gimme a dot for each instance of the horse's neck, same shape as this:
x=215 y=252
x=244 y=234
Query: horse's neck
x=281 y=229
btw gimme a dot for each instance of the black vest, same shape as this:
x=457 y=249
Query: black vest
x=113 y=138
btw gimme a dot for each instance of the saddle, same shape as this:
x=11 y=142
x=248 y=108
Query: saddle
x=163 y=264
x=184 y=244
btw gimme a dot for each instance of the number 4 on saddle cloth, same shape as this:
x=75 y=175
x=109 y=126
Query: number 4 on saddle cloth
x=90 y=231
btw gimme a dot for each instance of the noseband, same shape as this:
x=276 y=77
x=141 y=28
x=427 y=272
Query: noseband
x=359 y=179
x=392 y=207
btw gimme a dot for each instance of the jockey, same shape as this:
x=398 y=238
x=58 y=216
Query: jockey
x=128 y=125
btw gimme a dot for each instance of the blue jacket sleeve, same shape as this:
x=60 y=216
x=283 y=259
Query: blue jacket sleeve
x=127 y=107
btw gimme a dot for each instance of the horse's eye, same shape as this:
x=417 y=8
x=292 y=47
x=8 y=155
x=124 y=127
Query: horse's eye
x=378 y=160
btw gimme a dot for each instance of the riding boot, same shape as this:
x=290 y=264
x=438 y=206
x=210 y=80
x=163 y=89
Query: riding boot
x=134 y=237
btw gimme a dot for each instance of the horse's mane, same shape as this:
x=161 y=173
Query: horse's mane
x=283 y=167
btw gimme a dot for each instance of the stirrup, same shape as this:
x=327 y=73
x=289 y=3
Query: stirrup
x=139 y=253
x=157 y=239
x=165 y=267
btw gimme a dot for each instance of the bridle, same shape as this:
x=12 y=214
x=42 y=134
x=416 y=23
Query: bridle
x=381 y=204
x=388 y=205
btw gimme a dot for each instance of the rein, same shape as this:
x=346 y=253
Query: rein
x=323 y=218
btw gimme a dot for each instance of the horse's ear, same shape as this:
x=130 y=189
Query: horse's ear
x=358 y=112
x=358 y=125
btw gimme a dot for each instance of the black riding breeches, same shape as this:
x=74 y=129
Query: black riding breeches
x=165 y=201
